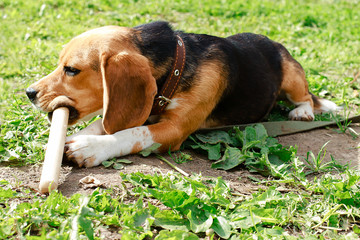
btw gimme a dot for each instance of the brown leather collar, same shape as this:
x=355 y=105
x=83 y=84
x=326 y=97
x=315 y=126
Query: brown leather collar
x=163 y=98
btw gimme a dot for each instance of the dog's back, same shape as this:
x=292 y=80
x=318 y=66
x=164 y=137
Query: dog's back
x=255 y=77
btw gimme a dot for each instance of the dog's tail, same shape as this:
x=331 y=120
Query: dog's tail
x=322 y=105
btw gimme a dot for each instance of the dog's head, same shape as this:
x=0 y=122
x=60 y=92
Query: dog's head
x=99 y=69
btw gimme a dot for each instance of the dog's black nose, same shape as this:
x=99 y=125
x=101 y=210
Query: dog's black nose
x=31 y=93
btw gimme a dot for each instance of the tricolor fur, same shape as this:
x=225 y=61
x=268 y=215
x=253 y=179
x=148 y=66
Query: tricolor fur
x=117 y=71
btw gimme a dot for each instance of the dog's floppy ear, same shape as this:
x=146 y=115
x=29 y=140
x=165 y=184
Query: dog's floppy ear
x=129 y=90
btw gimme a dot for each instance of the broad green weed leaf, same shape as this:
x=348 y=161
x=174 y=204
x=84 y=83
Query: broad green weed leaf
x=86 y=225
x=266 y=215
x=146 y=152
x=199 y=222
x=116 y=163
x=214 y=137
x=283 y=153
x=271 y=194
x=7 y=228
x=356 y=229
x=15 y=122
x=250 y=134
x=352 y=180
x=153 y=209
x=222 y=227
x=171 y=199
x=123 y=161
x=140 y=217
x=107 y=163
x=168 y=219
x=221 y=193
x=4 y=182
x=275 y=160
x=272 y=142
x=87 y=212
x=213 y=151
x=197 y=206
x=334 y=220
x=261 y=132
x=102 y=202
x=276 y=167
x=111 y=219
x=339 y=186
x=221 y=187
x=232 y=158
x=241 y=219
x=254 y=136
x=118 y=166
x=275 y=232
x=127 y=234
x=342 y=195
x=139 y=178
x=146 y=235
x=6 y=193
x=252 y=144
x=176 y=235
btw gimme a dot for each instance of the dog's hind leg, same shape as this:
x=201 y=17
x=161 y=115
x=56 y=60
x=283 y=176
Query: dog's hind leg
x=296 y=89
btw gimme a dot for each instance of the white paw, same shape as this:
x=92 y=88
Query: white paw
x=327 y=106
x=86 y=150
x=69 y=138
x=303 y=112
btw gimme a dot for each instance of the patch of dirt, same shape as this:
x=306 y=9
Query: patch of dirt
x=343 y=147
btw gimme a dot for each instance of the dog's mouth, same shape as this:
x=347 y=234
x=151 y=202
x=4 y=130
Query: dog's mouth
x=63 y=101
x=73 y=114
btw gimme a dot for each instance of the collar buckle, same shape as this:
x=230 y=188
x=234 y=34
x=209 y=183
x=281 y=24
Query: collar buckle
x=167 y=91
x=163 y=100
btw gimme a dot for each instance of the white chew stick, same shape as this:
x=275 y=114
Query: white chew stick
x=55 y=149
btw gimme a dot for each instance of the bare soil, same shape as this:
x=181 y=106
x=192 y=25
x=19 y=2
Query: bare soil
x=343 y=147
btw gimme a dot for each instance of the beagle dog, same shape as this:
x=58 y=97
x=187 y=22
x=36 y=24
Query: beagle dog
x=156 y=85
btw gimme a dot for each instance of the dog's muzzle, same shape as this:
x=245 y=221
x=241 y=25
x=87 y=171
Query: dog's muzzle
x=73 y=114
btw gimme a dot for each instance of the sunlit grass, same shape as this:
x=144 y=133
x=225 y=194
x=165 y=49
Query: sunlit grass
x=324 y=36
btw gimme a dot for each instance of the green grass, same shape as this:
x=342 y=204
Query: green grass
x=323 y=35
x=325 y=208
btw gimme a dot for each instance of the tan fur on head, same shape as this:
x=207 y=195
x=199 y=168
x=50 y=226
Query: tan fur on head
x=110 y=69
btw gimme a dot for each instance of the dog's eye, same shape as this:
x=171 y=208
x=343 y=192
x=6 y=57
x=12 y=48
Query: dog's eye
x=70 y=71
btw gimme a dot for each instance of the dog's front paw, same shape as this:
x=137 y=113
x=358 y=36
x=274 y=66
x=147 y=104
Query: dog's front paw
x=302 y=113
x=85 y=150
